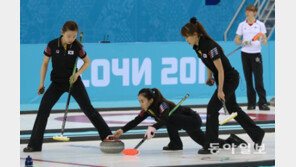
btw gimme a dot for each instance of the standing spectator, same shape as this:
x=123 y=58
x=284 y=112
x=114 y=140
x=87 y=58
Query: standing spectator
x=251 y=57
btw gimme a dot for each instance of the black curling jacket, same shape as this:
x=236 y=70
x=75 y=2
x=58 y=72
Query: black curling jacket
x=63 y=60
x=208 y=51
x=159 y=113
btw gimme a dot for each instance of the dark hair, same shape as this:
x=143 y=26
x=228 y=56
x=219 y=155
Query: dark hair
x=72 y=26
x=195 y=26
x=155 y=95
x=252 y=8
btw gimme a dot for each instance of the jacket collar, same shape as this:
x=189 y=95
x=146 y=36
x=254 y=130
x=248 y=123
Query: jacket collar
x=60 y=43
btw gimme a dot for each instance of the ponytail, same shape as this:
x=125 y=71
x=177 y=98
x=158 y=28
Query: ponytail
x=195 y=26
x=159 y=98
x=193 y=20
x=156 y=95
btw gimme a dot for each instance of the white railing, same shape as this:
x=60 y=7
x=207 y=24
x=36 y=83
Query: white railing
x=259 y=7
x=234 y=17
x=269 y=35
x=268 y=14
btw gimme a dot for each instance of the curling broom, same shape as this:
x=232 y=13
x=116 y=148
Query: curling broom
x=61 y=137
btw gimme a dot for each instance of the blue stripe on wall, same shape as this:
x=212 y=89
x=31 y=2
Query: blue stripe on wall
x=170 y=66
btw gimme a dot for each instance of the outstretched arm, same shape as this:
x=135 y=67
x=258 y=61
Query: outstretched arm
x=130 y=125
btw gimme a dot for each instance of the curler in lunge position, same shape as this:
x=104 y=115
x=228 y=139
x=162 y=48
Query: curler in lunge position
x=155 y=105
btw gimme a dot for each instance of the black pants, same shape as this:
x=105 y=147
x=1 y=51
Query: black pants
x=230 y=84
x=252 y=64
x=51 y=96
x=190 y=123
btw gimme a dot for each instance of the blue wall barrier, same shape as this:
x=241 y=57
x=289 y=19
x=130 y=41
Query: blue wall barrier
x=125 y=20
x=119 y=70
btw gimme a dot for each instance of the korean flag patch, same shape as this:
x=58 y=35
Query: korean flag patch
x=163 y=106
x=70 y=52
x=213 y=52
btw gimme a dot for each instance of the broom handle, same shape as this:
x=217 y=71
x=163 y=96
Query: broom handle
x=141 y=142
x=171 y=112
x=224 y=107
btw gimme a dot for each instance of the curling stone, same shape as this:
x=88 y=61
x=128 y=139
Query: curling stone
x=111 y=146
